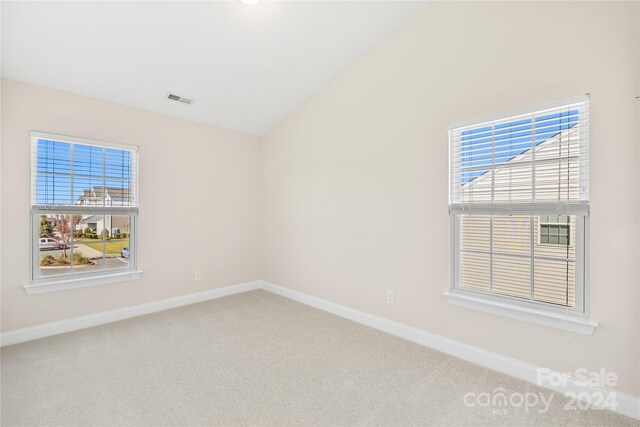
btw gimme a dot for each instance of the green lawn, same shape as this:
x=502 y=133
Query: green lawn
x=113 y=246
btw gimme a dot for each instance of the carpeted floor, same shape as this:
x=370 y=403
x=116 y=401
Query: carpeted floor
x=256 y=359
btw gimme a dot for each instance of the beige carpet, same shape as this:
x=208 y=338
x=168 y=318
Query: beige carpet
x=254 y=359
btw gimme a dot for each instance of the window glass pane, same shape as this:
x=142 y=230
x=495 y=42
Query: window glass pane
x=53 y=189
x=559 y=181
x=117 y=244
x=117 y=163
x=118 y=177
x=105 y=240
x=474 y=256
x=53 y=157
x=98 y=255
x=88 y=160
x=474 y=271
x=512 y=234
x=476 y=187
x=554 y=281
x=513 y=184
x=54 y=245
x=88 y=191
x=512 y=276
x=52 y=174
x=117 y=193
x=475 y=232
x=90 y=241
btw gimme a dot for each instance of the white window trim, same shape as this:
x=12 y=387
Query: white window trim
x=59 y=283
x=574 y=319
x=80 y=282
x=567 y=321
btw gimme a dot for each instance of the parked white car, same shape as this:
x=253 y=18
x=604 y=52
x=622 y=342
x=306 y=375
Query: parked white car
x=49 y=243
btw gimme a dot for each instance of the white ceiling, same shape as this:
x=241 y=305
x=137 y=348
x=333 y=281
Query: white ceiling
x=247 y=67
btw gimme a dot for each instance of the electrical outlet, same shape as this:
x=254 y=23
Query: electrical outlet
x=198 y=275
x=390 y=297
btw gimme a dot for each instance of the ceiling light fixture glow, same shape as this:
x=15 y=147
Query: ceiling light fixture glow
x=250 y=2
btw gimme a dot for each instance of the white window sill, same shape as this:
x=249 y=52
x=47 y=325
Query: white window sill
x=567 y=322
x=62 y=284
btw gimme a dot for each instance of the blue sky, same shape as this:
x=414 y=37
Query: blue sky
x=508 y=140
x=54 y=170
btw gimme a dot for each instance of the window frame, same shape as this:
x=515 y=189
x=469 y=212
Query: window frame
x=553 y=224
x=38 y=284
x=575 y=318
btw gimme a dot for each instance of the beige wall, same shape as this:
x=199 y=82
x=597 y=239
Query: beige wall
x=354 y=183
x=197 y=203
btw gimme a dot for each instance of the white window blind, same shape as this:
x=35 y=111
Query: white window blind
x=519 y=200
x=526 y=162
x=65 y=173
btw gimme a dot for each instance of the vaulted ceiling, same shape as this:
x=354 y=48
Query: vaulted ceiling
x=246 y=67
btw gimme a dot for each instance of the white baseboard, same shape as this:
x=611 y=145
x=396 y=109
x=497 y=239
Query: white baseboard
x=622 y=403
x=625 y=404
x=40 y=331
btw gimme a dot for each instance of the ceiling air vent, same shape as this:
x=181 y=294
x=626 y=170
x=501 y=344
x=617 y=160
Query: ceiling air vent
x=179 y=98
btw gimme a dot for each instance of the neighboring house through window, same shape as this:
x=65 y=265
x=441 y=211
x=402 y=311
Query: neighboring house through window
x=519 y=205
x=84 y=210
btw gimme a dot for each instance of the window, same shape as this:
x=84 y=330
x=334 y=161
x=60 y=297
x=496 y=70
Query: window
x=554 y=229
x=519 y=205
x=84 y=212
